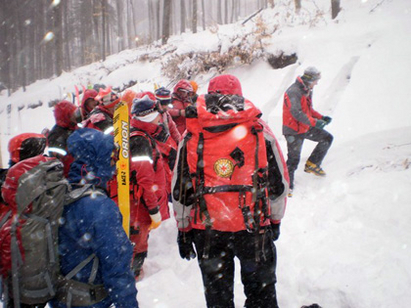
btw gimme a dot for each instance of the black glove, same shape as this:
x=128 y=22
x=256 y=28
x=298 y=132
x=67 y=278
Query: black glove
x=275 y=231
x=327 y=119
x=186 y=245
x=320 y=124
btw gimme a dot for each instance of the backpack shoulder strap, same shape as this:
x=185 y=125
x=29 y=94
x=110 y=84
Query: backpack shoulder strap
x=80 y=191
x=81 y=265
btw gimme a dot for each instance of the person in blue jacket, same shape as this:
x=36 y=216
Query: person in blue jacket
x=91 y=236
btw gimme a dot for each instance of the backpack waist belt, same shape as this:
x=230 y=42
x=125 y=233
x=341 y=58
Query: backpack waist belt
x=76 y=293
x=226 y=188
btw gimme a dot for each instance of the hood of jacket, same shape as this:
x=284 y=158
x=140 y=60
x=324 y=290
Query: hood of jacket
x=63 y=113
x=225 y=84
x=89 y=93
x=91 y=150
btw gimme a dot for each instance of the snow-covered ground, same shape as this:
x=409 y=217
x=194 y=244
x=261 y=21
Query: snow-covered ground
x=345 y=239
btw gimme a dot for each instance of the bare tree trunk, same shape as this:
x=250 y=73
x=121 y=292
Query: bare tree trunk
x=39 y=37
x=103 y=29
x=297 y=4
x=108 y=31
x=226 y=12
x=183 y=16
x=172 y=19
x=194 y=25
x=97 y=14
x=133 y=23
x=335 y=8
x=219 y=14
x=20 y=44
x=58 y=38
x=67 y=57
x=49 y=56
x=120 y=21
x=204 y=14
x=5 y=72
x=158 y=20
x=166 y=21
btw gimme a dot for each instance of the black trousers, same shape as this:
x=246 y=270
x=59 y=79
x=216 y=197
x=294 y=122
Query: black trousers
x=257 y=270
x=295 y=145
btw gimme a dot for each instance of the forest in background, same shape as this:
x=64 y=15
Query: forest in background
x=43 y=38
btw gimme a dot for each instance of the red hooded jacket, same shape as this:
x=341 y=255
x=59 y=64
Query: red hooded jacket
x=89 y=93
x=148 y=173
x=181 y=100
x=57 y=138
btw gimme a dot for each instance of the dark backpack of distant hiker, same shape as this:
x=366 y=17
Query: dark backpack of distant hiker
x=28 y=237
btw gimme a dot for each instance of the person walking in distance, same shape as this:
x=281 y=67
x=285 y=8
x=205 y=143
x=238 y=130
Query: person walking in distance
x=301 y=121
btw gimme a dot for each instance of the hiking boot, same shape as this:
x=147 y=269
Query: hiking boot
x=314 y=169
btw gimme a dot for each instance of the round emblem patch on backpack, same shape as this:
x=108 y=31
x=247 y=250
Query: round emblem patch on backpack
x=224 y=167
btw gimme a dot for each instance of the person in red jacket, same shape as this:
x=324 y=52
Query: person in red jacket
x=229 y=193
x=181 y=99
x=167 y=144
x=101 y=117
x=149 y=201
x=88 y=103
x=66 y=123
x=21 y=147
x=301 y=121
x=163 y=97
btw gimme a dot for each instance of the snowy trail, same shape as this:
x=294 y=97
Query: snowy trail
x=335 y=91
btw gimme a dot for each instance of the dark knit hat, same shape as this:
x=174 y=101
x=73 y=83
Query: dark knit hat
x=163 y=95
x=311 y=74
x=144 y=109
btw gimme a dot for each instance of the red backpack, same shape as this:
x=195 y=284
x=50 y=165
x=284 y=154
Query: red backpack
x=227 y=160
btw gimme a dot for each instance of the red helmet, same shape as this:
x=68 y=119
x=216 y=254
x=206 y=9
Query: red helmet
x=26 y=145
